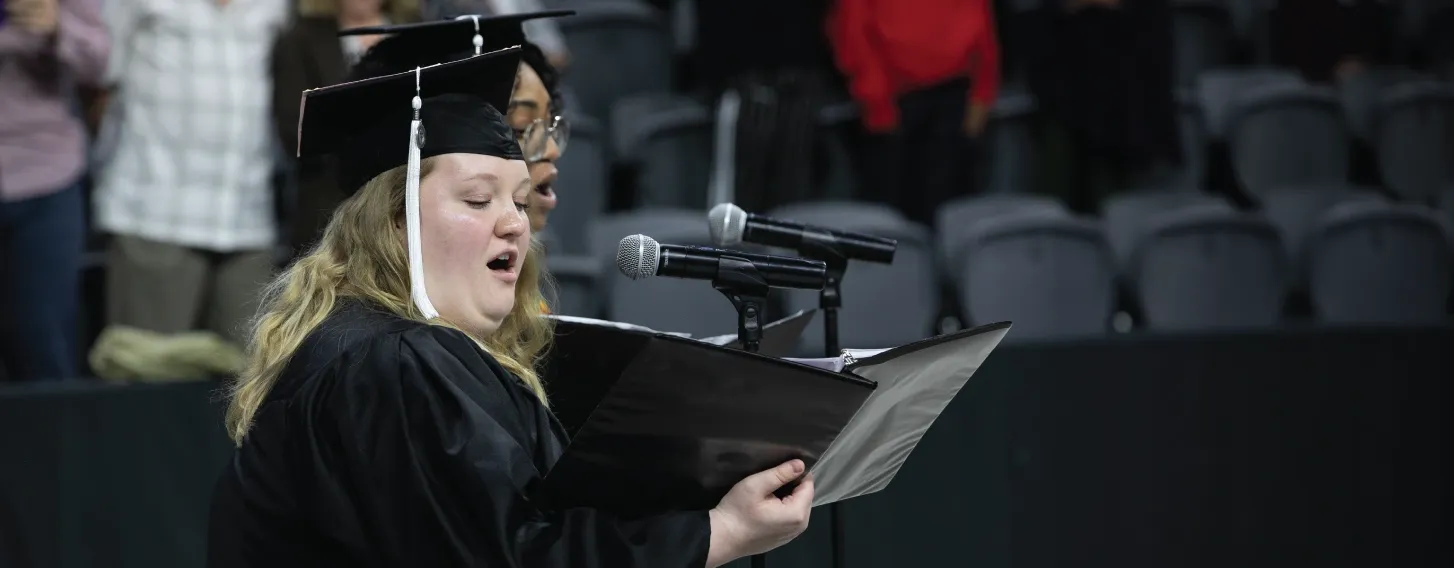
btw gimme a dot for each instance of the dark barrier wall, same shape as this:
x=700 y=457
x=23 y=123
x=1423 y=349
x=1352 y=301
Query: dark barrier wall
x=1298 y=448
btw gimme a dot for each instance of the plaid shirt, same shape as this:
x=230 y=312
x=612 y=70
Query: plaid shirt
x=192 y=154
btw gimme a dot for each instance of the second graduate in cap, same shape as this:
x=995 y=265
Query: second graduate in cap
x=390 y=413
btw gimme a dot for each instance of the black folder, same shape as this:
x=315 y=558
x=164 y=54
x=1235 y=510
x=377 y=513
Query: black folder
x=589 y=356
x=682 y=420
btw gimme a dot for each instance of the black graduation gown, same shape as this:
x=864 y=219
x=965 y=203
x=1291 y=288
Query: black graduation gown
x=388 y=442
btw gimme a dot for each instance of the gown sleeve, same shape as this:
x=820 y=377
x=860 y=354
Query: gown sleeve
x=436 y=462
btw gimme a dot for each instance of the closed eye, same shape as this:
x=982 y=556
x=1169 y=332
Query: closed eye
x=477 y=204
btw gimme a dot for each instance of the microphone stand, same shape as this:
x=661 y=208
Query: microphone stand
x=739 y=280
x=829 y=300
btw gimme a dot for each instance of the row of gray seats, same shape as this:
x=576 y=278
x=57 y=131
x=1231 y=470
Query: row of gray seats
x=1191 y=262
x=1281 y=130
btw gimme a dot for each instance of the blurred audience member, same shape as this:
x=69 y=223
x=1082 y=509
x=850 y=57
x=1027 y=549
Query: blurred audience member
x=1101 y=71
x=1329 y=40
x=307 y=56
x=187 y=194
x=770 y=88
x=543 y=32
x=925 y=74
x=46 y=47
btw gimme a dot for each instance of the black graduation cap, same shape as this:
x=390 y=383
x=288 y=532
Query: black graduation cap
x=426 y=43
x=364 y=122
x=442 y=108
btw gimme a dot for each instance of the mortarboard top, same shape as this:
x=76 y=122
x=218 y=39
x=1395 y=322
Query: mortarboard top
x=426 y=43
x=364 y=122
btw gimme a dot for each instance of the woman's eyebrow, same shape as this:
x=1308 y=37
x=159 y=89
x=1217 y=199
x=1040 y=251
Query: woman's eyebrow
x=488 y=177
x=524 y=103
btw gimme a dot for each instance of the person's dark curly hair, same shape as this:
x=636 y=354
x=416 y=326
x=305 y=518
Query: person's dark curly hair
x=532 y=55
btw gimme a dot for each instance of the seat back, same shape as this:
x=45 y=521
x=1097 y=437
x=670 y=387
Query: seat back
x=1207 y=268
x=1373 y=262
x=1052 y=275
x=1285 y=134
x=1413 y=137
x=605 y=33
x=956 y=219
x=581 y=184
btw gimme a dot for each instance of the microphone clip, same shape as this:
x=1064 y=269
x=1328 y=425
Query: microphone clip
x=836 y=264
x=739 y=280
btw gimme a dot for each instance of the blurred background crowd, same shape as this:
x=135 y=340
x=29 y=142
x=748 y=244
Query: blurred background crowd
x=1079 y=167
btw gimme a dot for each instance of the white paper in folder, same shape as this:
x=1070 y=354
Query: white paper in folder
x=916 y=382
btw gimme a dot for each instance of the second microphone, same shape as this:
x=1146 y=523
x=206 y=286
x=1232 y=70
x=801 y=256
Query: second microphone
x=640 y=256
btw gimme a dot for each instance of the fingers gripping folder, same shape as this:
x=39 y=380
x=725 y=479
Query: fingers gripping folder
x=694 y=417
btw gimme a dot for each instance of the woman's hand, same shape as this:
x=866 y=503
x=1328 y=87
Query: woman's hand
x=751 y=520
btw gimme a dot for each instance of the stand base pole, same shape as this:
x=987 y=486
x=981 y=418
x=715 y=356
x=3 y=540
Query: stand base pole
x=829 y=301
x=835 y=509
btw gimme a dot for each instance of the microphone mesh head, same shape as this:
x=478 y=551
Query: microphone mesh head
x=638 y=256
x=726 y=222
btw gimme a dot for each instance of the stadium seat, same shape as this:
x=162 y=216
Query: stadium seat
x=605 y=33
x=1202 y=268
x=956 y=219
x=582 y=185
x=1413 y=137
x=1287 y=134
x=667 y=140
x=1049 y=273
x=1375 y=262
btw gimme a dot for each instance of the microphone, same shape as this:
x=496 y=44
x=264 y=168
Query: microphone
x=640 y=256
x=730 y=226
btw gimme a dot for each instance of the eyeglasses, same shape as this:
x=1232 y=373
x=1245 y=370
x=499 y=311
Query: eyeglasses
x=535 y=139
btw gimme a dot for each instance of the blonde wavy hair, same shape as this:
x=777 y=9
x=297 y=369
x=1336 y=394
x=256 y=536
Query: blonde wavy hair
x=356 y=260
x=400 y=11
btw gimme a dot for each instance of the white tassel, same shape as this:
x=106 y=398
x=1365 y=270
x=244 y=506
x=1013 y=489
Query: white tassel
x=411 y=222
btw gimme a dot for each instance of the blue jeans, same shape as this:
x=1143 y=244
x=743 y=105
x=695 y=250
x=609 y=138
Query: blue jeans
x=41 y=242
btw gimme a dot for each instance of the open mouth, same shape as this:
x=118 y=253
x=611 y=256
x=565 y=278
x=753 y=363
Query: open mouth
x=503 y=263
x=544 y=188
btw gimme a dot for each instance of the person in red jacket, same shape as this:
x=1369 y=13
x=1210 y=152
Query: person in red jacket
x=925 y=74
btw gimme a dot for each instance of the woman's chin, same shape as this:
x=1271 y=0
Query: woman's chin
x=496 y=312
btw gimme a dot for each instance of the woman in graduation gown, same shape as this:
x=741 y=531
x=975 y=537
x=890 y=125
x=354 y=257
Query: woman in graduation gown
x=390 y=414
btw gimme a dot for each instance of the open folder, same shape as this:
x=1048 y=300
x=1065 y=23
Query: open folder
x=589 y=355
x=685 y=420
